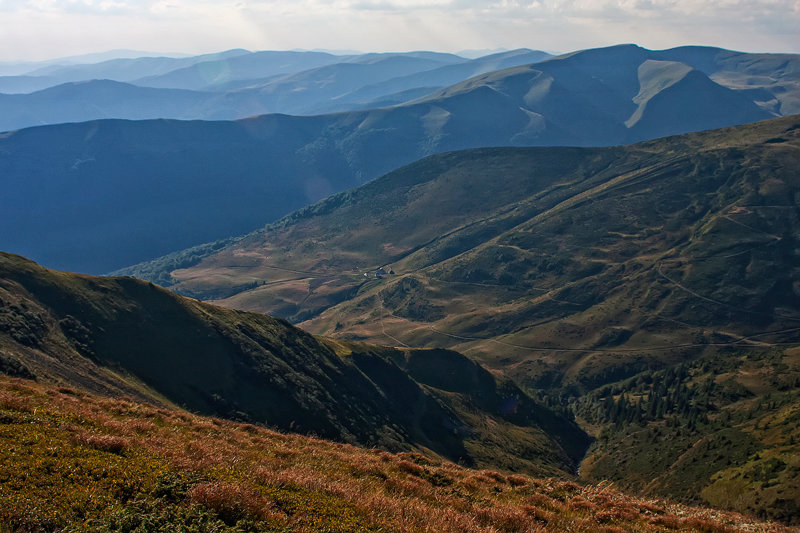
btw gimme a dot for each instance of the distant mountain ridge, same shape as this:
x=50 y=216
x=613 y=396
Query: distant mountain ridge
x=233 y=85
x=309 y=83
x=213 y=180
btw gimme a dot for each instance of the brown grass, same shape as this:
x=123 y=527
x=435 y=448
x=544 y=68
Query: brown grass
x=243 y=473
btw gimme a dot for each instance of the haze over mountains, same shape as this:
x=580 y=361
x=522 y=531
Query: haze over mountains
x=95 y=182
x=234 y=84
x=237 y=83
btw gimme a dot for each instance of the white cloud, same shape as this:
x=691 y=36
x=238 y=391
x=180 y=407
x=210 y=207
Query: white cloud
x=47 y=28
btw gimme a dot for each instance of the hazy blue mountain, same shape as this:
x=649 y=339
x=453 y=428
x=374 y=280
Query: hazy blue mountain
x=25 y=84
x=405 y=88
x=217 y=72
x=312 y=91
x=476 y=53
x=31 y=77
x=771 y=80
x=19 y=68
x=603 y=89
x=389 y=100
x=89 y=100
x=98 y=196
x=128 y=69
x=602 y=97
x=97 y=99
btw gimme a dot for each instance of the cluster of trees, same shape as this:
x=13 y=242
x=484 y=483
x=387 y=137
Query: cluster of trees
x=673 y=393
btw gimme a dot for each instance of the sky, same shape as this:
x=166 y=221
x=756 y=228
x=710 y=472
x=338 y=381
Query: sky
x=45 y=29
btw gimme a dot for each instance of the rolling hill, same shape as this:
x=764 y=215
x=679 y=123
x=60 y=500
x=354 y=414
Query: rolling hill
x=650 y=290
x=81 y=196
x=564 y=267
x=121 y=336
x=308 y=83
x=723 y=430
x=98 y=438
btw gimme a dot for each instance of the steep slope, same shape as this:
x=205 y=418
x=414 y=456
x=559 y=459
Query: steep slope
x=723 y=430
x=225 y=179
x=564 y=267
x=121 y=336
x=771 y=80
x=606 y=92
x=663 y=87
x=73 y=461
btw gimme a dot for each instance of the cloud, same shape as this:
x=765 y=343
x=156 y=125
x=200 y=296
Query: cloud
x=44 y=28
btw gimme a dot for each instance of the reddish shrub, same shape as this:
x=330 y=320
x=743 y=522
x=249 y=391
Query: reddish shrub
x=536 y=513
x=650 y=508
x=495 y=476
x=230 y=501
x=672 y=522
x=411 y=468
x=104 y=443
x=579 y=503
x=612 y=529
x=505 y=518
x=706 y=526
x=568 y=486
x=517 y=481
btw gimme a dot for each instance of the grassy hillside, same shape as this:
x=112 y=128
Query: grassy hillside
x=121 y=336
x=651 y=289
x=723 y=430
x=563 y=267
x=73 y=461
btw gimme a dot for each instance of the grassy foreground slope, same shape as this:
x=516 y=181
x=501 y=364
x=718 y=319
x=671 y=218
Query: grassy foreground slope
x=122 y=336
x=564 y=267
x=73 y=461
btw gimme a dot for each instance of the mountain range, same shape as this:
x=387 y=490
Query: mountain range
x=650 y=290
x=238 y=83
x=479 y=266
x=645 y=252
x=235 y=84
x=88 y=189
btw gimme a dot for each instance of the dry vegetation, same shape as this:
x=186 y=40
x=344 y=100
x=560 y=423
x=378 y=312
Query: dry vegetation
x=72 y=461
